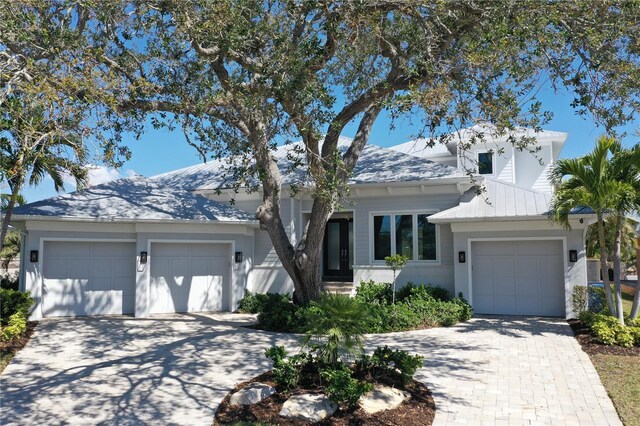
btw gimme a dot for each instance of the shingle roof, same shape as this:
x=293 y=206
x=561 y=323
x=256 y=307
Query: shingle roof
x=135 y=198
x=375 y=165
x=501 y=200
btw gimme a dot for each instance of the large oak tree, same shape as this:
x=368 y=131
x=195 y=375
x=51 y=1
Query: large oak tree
x=242 y=76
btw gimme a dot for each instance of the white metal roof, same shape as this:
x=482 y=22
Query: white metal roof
x=135 y=198
x=500 y=200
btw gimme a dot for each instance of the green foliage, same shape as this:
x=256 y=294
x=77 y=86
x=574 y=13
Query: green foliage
x=9 y=281
x=12 y=302
x=286 y=370
x=341 y=386
x=372 y=293
x=253 y=303
x=580 y=299
x=608 y=330
x=335 y=325
x=394 y=360
x=421 y=291
x=279 y=314
x=396 y=261
x=16 y=325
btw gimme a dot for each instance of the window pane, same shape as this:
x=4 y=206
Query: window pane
x=485 y=163
x=426 y=238
x=381 y=237
x=333 y=246
x=404 y=235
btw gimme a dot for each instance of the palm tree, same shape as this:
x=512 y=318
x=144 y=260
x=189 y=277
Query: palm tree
x=625 y=167
x=11 y=246
x=587 y=181
x=35 y=143
x=628 y=240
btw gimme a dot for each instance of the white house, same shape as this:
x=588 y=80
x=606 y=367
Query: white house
x=175 y=242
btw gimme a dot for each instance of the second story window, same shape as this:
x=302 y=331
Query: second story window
x=485 y=163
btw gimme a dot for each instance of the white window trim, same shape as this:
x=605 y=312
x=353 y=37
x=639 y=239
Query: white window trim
x=493 y=161
x=414 y=214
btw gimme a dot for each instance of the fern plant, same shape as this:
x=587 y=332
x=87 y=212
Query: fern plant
x=335 y=327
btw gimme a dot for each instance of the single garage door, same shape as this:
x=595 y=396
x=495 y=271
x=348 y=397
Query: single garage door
x=518 y=278
x=88 y=278
x=189 y=277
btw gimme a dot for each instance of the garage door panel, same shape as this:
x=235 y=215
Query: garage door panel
x=529 y=281
x=189 y=277
x=88 y=278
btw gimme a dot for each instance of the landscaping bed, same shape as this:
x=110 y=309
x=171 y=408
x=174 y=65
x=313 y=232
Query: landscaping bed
x=419 y=410
x=413 y=307
x=617 y=366
x=9 y=348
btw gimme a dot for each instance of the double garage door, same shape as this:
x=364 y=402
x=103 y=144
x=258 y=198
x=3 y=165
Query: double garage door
x=518 y=277
x=99 y=278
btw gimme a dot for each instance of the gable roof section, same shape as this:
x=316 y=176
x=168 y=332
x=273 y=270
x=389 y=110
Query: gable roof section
x=134 y=199
x=375 y=165
x=501 y=201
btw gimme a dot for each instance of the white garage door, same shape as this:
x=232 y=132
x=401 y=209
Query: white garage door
x=518 y=278
x=189 y=277
x=88 y=278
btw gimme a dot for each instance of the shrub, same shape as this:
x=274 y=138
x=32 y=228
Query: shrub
x=12 y=302
x=399 y=317
x=335 y=325
x=253 y=303
x=17 y=325
x=608 y=330
x=286 y=370
x=580 y=300
x=421 y=291
x=587 y=318
x=341 y=386
x=635 y=333
x=387 y=360
x=372 y=293
x=466 y=311
x=279 y=314
x=9 y=281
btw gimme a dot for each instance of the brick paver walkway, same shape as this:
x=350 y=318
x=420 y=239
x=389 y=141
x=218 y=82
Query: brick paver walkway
x=508 y=371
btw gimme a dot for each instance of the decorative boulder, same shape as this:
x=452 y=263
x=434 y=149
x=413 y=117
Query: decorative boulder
x=252 y=394
x=382 y=398
x=308 y=407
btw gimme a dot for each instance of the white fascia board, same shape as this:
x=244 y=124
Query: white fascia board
x=21 y=218
x=586 y=218
x=513 y=225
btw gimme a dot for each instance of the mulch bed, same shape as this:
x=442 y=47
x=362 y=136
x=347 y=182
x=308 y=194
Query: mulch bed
x=14 y=345
x=419 y=410
x=591 y=346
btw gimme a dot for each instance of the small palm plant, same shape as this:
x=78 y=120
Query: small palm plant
x=395 y=262
x=336 y=325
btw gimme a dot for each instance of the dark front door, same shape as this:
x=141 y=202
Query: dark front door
x=338 y=253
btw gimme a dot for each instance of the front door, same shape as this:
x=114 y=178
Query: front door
x=338 y=252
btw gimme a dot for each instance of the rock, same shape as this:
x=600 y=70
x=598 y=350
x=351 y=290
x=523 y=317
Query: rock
x=252 y=394
x=308 y=407
x=382 y=398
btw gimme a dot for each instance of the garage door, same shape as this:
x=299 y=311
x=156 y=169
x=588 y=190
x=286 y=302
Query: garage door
x=88 y=278
x=189 y=277
x=518 y=278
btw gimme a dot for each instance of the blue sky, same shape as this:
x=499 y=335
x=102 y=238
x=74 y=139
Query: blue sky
x=160 y=151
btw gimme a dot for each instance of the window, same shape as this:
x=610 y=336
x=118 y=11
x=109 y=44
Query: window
x=408 y=234
x=381 y=237
x=485 y=163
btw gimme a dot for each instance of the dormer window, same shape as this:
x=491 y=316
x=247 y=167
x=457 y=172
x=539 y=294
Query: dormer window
x=485 y=163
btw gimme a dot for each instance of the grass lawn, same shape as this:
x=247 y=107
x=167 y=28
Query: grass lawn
x=620 y=375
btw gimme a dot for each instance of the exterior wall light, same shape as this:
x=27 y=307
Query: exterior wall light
x=573 y=256
x=33 y=256
x=143 y=257
x=462 y=257
x=238 y=257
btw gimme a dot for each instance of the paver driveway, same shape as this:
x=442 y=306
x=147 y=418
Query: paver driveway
x=175 y=370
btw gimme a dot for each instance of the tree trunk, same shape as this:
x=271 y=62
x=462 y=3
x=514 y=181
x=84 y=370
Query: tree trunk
x=7 y=214
x=636 y=298
x=616 y=267
x=603 y=264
